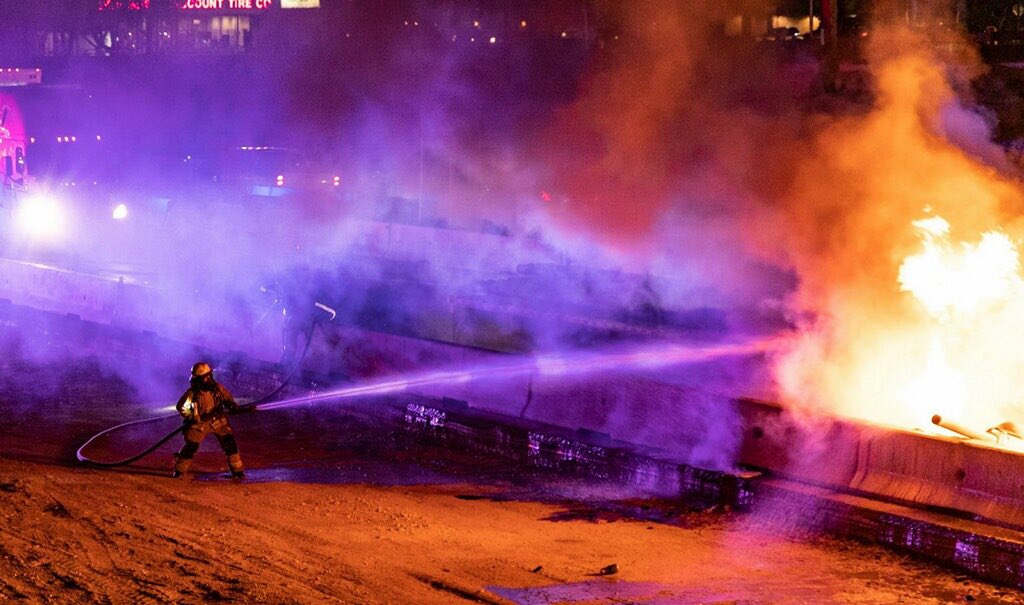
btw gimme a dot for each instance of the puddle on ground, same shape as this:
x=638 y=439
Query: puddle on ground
x=609 y=590
x=369 y=473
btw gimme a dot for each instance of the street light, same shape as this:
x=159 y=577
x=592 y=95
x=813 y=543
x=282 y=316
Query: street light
x=41 y=217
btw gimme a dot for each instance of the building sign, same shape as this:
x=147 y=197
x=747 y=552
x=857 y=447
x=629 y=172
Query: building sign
x=133 y=5
x=300 y=3
x=224 y=4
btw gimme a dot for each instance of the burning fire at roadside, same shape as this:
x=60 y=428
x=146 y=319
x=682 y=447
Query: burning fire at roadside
x=911 y=295
x=900 y=220
x=962 y=287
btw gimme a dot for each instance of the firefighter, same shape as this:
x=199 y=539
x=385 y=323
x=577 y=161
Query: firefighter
x=204 y=408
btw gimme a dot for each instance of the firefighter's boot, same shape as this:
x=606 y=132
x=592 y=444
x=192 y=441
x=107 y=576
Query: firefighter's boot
x=181 y=465
x=235 y=464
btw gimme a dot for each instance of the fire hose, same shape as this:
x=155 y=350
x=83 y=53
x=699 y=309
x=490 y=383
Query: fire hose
x=248 y=406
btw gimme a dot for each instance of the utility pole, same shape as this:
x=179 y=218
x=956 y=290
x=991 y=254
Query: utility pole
x=830 y=33
x=829 y=21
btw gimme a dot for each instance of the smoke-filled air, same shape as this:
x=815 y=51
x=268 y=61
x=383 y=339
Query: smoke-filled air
x=498 y=195
x=902 y=223
x=574 y=301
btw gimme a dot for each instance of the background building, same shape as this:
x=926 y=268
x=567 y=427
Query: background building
x=47 y=28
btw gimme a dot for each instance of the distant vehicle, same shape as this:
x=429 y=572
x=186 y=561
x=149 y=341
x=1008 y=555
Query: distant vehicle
x=782 y=34
x=814 y=35
x=854 y=26
x=266 y=171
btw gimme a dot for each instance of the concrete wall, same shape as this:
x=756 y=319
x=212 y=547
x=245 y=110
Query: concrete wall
x=133 y=305
x=688 y=424
x=902 y=466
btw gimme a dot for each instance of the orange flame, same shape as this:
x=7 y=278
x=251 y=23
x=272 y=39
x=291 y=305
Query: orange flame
x=966 y=279
x=961 y=287
x=905 y=317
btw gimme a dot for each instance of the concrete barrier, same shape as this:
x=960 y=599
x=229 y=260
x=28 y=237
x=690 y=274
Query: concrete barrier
x=943 y=472
x=819 y=451
x=913 y=468
x=128 y=304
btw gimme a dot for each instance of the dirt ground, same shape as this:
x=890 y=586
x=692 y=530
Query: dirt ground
x=89 y=536
x=341 y=508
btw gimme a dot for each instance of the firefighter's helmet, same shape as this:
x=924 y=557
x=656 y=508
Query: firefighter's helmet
x=201 y=369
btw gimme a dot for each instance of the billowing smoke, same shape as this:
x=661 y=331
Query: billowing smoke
x=650 y=178
x=897 y=221
x=531 y=196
